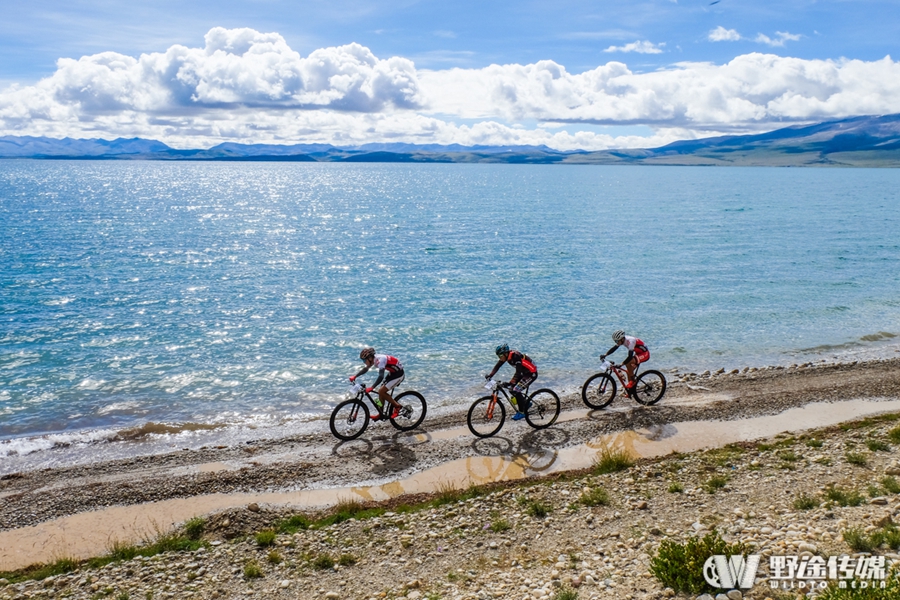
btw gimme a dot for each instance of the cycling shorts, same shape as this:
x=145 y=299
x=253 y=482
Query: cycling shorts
x=522 y=384
x=394 y=379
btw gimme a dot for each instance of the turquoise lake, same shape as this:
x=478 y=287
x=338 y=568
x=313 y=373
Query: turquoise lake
x=241 y=293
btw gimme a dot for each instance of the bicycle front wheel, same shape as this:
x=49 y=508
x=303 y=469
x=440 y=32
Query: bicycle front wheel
x=543 y=409
x=598 y=391
x=486 y=417
x=349 y=419
x=649 y=387
x=412 y=412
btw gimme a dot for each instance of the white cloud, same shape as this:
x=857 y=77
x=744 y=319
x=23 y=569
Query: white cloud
x=751 y=90
x=720 y=34
x=236 y=67
x=780 y=39
x=248 y=86
x=644 y=47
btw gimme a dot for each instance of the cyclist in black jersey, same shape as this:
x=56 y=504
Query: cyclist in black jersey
x=526 y=373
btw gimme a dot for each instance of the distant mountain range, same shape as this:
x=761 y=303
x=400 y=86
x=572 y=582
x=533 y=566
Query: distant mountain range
x=858 y=141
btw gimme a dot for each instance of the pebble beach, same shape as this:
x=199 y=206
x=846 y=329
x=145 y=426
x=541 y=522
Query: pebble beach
x=572 y=533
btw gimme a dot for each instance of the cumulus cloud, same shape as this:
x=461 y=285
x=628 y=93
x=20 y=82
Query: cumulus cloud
x=720 y=34
x=235 y=67
x=751 y=90
x=780 y=38
x=247 y=86
x=644 y=47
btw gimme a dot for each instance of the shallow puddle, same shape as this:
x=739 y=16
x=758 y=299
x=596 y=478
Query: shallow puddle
x=93 y=533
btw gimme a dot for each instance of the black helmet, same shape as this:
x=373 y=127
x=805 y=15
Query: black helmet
x=618 y=336
x=502 y=349
x=367 y=353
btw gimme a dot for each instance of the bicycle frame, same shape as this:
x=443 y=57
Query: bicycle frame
x=620 y=372
x=499 y=386
x=361 y=393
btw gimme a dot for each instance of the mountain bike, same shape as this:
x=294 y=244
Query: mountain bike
x=350 y=418
x=487 y=414
x=600 y=389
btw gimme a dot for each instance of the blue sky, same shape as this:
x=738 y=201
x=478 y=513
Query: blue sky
x=441 y=72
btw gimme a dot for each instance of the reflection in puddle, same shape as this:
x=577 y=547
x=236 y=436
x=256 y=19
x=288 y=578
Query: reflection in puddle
x=90 y=534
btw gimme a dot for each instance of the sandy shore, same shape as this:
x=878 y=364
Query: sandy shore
x=293 y=467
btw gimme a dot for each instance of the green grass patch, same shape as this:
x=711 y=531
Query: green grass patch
x=804 y=502
x=346 y=560
x=894 y=435
x=878 y=446
x=346 y=510
x=293 y=524
x=890 y=485
x=680 y=566
x=60 y=566
x=500 y=525
x=715 y=483
x=194 y=528
x=785 y=443
x=252 y=570
x=565 y=593
x=675 y=488
x=595 y=497
x=788 y=456
x=856 y=458
x=538 y=509
x=611 y=461
x=859 y=540
x=274 y=557
x=843 y=497
x=265 y=538
x=323 y=561
x=814 y=443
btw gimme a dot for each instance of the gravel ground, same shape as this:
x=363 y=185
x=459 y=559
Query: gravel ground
x=316 y=461
x=497 y=545
x=459 y=550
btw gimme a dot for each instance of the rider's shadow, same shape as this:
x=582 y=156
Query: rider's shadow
x=656 y=420
x=386 y=455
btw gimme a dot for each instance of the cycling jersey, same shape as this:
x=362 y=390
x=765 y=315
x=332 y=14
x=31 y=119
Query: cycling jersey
x=635 y=347
x=384 y=362
x=525 y=368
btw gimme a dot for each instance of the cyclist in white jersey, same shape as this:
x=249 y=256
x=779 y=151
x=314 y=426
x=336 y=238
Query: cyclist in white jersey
x=637 y=353
x=395 y=374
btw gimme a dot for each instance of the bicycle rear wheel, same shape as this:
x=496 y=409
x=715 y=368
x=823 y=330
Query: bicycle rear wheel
x=413 y=412
x=485 y=420
x=349 y=419
x=649 y=387
x=543 y=409
x=598 y=391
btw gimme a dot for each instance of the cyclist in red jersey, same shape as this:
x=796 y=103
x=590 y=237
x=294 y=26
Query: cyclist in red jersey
x=382 y=362
x=526 y=373
x=637 y=354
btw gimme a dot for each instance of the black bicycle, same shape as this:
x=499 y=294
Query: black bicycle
x=350 y=418
x=600 y=389
x=487 y=414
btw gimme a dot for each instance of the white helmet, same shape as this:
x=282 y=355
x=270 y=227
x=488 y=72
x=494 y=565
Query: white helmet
x=618 y=336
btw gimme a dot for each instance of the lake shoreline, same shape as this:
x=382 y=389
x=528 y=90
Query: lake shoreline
x=317 y=460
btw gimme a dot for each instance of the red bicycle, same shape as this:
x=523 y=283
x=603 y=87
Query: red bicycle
x=600 y=389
